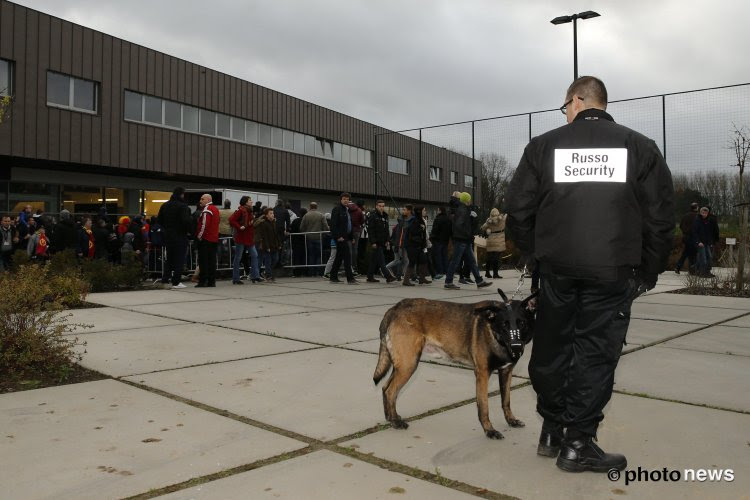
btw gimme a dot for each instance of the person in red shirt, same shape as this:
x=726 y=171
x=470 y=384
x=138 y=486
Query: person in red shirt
x=207 y=235
x=244 y=240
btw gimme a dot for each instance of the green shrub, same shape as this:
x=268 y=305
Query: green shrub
x=20 y=258
x=33 y=341
x=102 y=276
x=63 y=262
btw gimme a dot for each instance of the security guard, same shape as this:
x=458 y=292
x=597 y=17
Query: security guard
x=592 y=202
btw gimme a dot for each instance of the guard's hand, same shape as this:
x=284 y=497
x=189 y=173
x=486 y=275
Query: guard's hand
x=643 y=283
x=473 y=214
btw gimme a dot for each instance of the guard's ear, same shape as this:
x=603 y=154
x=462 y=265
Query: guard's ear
x=502 y=294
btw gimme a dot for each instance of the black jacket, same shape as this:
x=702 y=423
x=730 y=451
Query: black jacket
x=416 y=233
x=341 y=226
x=462 y=224
x=174 y=217
x=703 y=231
x=441 y=229
x=64 y=236
x=377 y=228
x=101 y=240
x=686 y=223
x=592 y=229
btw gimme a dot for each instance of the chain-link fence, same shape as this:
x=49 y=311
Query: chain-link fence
x=693 y=129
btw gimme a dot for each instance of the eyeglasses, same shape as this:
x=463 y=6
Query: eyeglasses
x=563 y=108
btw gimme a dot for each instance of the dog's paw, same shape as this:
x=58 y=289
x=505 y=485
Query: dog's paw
x=399 y=424
x=514 y=422
x=493 y=434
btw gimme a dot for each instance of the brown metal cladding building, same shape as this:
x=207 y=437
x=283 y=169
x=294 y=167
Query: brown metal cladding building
x=47 y=142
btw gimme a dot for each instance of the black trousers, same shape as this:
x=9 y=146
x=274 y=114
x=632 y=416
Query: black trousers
x=207 y=262
x=377 y=261
x=579 y=334
x=417 y=258
x=342 y=253
x=172 y=268
x=688 y=252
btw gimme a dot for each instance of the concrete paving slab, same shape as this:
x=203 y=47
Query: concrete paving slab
x=374 y=310
x=644 y=331
x=434 y=291
x=743 y=322
x=121 y=299
x=218 y=310
x=104 y=319
x=652 y=434
x=321 y=475
x=130 y=352
x=324 y=285
x=347 y=297
x=325 y=393
x=698 y=301
x=717 y=339
x=325 y=327
x=106 y=439
x=695 y=377
x=247 y=291
x=686 y=314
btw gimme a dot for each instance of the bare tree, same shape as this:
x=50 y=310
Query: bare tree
x=496 y=175
x=5 y=104
x=740 y=144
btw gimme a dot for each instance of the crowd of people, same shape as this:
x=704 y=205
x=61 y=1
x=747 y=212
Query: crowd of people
x=316 y=244
x=41 y=235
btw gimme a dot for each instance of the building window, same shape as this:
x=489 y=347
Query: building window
x=163 y=113
x=208 y=122
x=398 y=165
x=133 y=106
x=172 y=114
x=6 y=78
x=469 y=181
x=436 y=173
x=223 y=126
x=454 y=177
x=64 y=91
x=190 y=119
x=152 y=111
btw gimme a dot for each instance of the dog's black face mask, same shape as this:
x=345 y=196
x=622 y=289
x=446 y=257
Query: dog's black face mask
x=512 y=322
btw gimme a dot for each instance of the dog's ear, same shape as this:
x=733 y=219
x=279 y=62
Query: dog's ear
x=529 y=303
x=502 y=294
x=488 y=308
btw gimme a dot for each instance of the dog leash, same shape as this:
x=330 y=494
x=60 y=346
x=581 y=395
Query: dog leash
x=520 y=283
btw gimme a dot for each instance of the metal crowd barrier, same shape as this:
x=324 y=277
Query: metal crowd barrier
x=295 y=253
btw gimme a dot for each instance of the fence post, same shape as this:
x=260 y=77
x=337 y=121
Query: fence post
x=419 y=168
x=664 y=125
x=473 y=165
x=529 y=127
x=375 y=164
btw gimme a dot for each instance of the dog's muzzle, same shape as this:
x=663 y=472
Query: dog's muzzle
x=516 y=344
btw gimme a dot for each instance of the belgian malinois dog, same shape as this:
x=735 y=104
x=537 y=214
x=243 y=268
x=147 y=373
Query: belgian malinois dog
x=488 y=336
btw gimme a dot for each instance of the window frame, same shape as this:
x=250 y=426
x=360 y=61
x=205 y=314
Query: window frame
x=9 y=90
x=439 y=171
x=473 y=179
x=71 y=94
x=388 y=165
x=454 y=178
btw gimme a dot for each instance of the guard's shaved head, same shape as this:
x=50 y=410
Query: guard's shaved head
x=591 y=89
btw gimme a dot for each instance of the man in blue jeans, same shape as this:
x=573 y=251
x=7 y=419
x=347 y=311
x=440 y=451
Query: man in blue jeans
x=462 y=239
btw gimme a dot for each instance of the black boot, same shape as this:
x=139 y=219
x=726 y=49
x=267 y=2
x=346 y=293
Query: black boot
x=422 y=275
x=550 y=440
x=407 y=277
x=580 y=453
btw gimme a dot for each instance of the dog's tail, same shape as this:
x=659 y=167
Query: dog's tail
x=384 y=357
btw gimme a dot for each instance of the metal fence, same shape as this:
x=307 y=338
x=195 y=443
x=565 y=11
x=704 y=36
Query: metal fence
x=693 y=129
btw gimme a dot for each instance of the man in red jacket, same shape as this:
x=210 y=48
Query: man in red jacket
x=244 y=240
x=207 y=235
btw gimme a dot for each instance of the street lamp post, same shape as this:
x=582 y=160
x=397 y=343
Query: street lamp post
x=575 y=17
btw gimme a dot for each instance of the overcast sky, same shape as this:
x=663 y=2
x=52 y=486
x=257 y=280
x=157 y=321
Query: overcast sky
x=409 y=63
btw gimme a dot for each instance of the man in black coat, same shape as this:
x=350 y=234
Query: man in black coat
x=175 y=219
x=64 y=235
x=688 y=250
x=592 y=202
x=341 y=231
x=463 y=237
x=440 y=236
x=377 y=238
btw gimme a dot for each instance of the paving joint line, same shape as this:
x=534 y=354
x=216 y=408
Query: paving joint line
x=683 y=334
x=725 y=353
x=678 y=401
x=210 y=363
